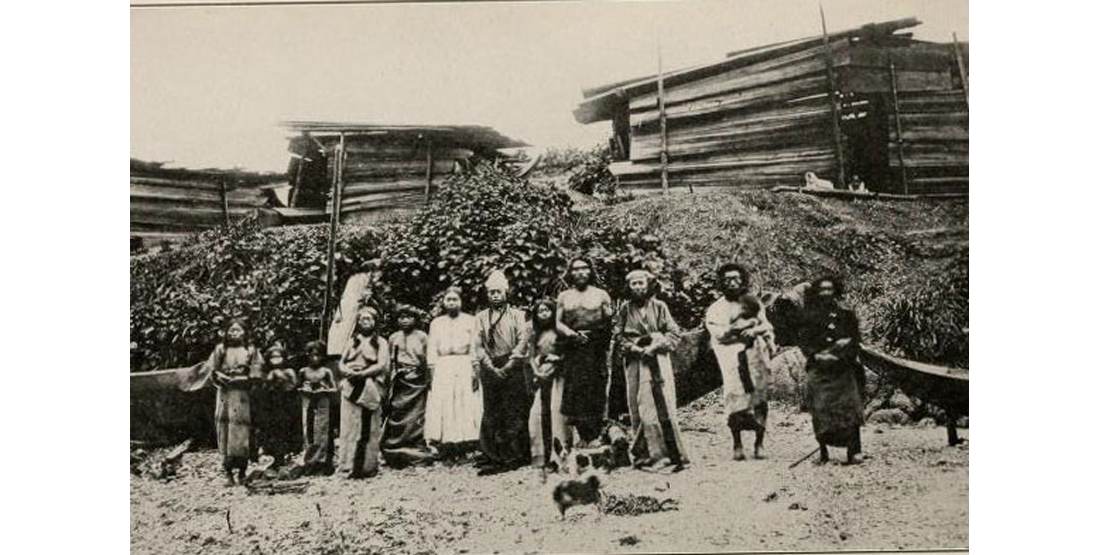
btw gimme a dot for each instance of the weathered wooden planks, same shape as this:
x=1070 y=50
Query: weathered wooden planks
x=877 y=80
x=757 y=96
x=170 y=193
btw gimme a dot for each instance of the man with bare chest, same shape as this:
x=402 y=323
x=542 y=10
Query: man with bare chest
x=584 y=322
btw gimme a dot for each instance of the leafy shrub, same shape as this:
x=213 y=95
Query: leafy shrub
x=480 y=220
x=927 y=322
x=591 y=175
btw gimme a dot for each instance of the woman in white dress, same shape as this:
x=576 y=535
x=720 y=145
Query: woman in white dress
x=452 y=419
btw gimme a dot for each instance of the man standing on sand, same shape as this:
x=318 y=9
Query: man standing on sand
x=584 y=323
x=648 y=333
x=506 y=402
x=740 y=335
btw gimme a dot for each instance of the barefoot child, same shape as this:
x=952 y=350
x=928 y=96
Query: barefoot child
x=403 y=439
x=317 y=389
x=234 y=366
x=546 y=422
x=273 y=407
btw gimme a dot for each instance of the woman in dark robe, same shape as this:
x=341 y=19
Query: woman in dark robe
x=584 y=324
x=829 y=338
x=403 y=438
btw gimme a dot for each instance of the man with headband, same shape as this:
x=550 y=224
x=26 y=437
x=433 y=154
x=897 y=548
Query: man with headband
x=647 y=333
x=500 y=351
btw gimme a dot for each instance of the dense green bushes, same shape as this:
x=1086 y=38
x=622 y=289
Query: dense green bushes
x=487 y=218
x=481 y=220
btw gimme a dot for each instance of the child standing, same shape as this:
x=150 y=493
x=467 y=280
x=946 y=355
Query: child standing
x=403 y=439
x=234 y=366
x=317 y=389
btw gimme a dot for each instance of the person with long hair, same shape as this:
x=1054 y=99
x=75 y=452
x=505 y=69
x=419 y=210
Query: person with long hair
x=829 y=337
x=364 y=368
x=403 y=438
x=452 y=418
x=584 y=315
x=318 y=386
x=741 y=338
x=647 y=332
x=234 y=367
x=546 y=424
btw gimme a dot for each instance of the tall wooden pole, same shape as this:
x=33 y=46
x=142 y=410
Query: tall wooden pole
x=428 y=177
x=834 y=103
x=225 y=202
x=661 y=112
x=897 y=128
x=962 y=68
x=334 y=222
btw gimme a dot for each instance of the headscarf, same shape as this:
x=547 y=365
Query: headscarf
x=496 y=281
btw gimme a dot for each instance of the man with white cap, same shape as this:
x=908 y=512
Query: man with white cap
x=506 y=399
x=647 y=332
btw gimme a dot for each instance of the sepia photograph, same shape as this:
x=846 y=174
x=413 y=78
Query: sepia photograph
x=549 y=277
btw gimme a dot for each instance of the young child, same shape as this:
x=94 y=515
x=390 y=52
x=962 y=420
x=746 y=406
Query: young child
x=273 y=408
x=761 y=348
x=317 y=389
x=279 y=375
x=403 y=438
x=234 y=366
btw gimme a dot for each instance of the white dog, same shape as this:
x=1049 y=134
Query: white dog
x=814 y=182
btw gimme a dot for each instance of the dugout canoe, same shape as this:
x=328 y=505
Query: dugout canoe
x=162 y=412
x=946 y=388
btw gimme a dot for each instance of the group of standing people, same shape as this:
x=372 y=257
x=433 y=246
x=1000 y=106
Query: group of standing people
x=528 y=390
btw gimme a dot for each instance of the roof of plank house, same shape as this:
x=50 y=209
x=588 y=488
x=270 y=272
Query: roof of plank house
x=477 y=137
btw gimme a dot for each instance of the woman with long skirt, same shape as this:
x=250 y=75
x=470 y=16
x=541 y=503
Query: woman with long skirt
x=365 y=368
x=452 y=422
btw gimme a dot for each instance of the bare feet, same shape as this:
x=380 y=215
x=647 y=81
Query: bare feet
x=758 y=452
x=738 y=454
x=855 y=458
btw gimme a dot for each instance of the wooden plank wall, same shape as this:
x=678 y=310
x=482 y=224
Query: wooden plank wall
x=769 y=122
x=166 y=208
x=382 y=176
x=761 y=124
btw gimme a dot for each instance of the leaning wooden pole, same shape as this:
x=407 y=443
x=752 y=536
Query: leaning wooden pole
x=225 y=201
x=898 y=129
x=664 y=123
x=834 y=103
x=334 y=222
x=428 y=177
x=962 y=68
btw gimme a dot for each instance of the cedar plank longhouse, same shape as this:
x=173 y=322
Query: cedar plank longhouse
x=167 y=204
x=763 y=116
x=386 y=169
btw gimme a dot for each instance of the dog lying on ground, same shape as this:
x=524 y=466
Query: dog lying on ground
x=815 y=182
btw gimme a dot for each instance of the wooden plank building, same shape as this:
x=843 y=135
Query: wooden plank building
x=831 y=104
x=167 y=204
x=385 y=169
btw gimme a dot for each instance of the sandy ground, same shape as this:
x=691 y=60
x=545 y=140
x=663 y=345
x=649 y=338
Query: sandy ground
x=913 y=492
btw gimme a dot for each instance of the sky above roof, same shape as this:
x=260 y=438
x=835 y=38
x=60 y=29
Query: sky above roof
x=209 y=85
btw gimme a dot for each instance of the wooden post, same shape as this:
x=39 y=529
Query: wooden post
x=897 y=128
x=962 y=68
x=664 y=124
x=834 y=103
x=334 y=222
x=225 y=201
x=428 y=177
